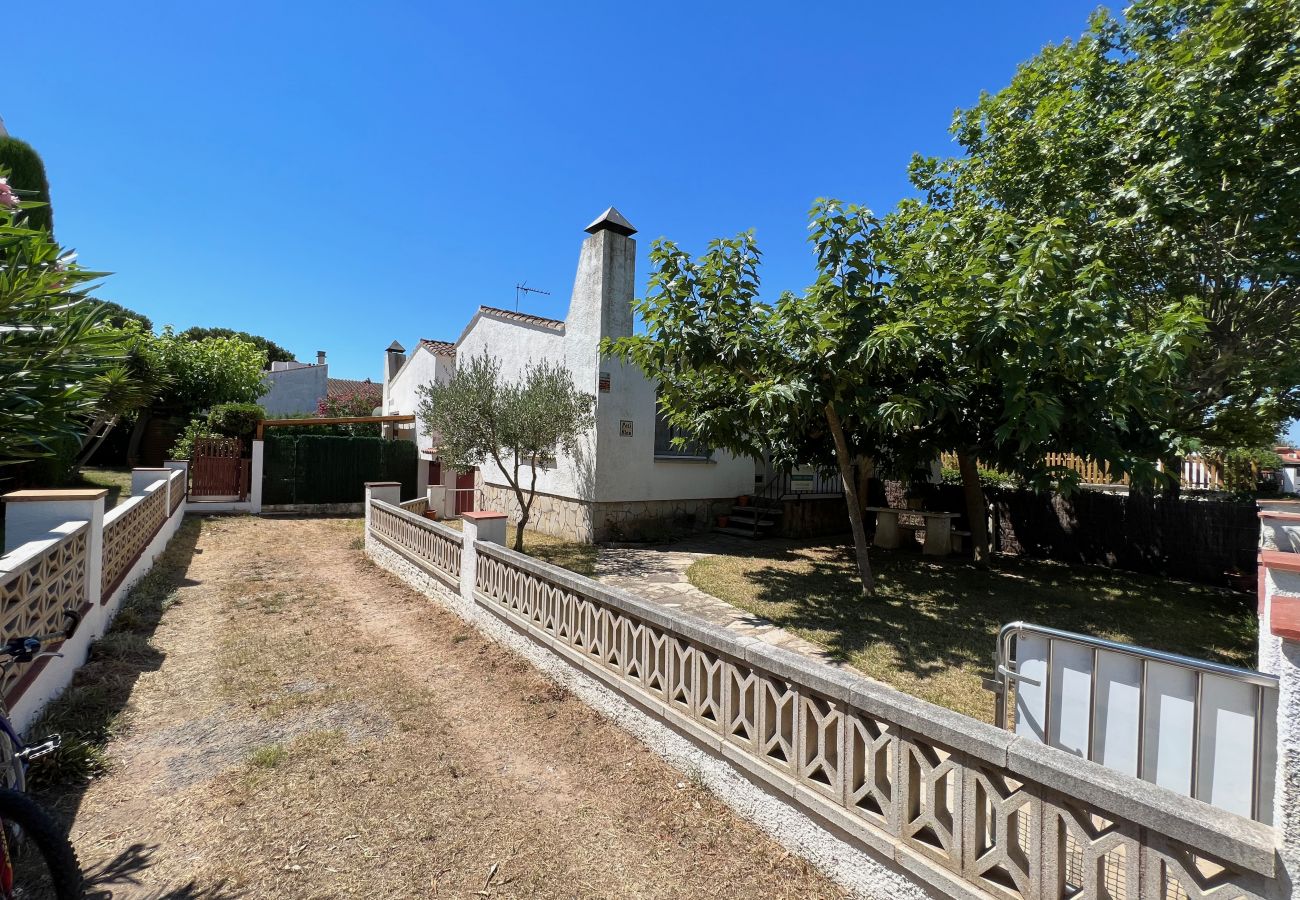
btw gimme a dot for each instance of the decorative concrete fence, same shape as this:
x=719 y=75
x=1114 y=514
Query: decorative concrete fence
x=63 y=552
x=960 y=807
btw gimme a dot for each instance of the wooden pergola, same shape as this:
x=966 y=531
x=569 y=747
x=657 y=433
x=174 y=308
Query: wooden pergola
x=333 y=420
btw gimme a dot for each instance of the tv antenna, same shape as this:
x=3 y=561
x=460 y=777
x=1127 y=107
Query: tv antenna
x=521 y=289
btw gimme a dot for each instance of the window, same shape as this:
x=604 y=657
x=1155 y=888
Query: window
x=664 y=446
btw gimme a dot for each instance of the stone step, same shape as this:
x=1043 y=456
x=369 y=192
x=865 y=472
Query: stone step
x=739 y=532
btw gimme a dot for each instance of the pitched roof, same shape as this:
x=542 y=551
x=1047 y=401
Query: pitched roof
x=553 y=324
x=337 y=386
x=439 y=348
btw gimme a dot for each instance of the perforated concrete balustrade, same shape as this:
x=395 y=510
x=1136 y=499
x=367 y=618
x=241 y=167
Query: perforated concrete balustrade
x=963 y=807
x=424 y=542
x=129 y=528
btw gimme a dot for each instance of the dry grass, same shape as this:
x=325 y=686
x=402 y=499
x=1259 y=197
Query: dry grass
x=117 y=481
x=931 y=628
x=571 y=555
x=318 y=730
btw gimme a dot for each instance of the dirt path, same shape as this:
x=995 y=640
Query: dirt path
x=316 y=729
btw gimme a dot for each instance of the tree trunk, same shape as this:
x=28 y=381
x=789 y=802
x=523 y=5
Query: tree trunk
x=524 y=512
x=1174 y=468
x=137 y=435
x=845 y=465
x=976 y=507
x=92 y=445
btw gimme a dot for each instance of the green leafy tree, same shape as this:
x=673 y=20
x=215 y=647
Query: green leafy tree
x=55 y=355
x=26 y=175
x=118 y=315
x=1007 y=340
x=791 y=379
x=478 y=416
x=1166 y=144
x=199 y=374
x=274 y=352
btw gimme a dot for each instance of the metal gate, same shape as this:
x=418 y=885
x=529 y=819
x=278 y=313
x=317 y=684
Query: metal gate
x=1199 y=728
x=465 y=491
x=218 y=469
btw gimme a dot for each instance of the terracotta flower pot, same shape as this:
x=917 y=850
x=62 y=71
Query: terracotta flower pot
x=431 y=514
x=742 y=500
x=722 y=521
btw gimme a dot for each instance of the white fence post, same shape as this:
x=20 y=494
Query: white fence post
x=489 y=527
x=385 y=491
x=183 y=466
x=255 y=477
x=1279 y=652
x=32 y=515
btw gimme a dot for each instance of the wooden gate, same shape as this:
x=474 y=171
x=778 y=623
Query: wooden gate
x=465 y=491
x=218 y=469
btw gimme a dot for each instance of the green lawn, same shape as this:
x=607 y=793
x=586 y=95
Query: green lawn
x=118 y=482
x=931 y=627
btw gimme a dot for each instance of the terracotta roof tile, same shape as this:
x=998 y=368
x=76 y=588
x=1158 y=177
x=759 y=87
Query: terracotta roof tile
x=439 y=348
x=337 y=386
x=553 y=324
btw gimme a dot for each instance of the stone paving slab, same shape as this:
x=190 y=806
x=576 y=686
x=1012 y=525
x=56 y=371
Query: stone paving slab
x=658 y=573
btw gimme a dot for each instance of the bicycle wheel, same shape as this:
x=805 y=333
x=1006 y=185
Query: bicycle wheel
x=42 y=864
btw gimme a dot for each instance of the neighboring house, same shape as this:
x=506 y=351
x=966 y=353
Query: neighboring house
x=296 y=388
x=628 y=478
x=1290 y=474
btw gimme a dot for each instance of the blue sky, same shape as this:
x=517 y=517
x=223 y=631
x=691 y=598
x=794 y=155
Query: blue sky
x=336 y=175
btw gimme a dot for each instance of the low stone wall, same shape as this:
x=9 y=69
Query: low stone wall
x=561 y=517
x=956 y=806
x=629 y=520
x=639 y=520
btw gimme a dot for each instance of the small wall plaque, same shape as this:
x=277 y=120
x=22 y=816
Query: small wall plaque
x=604 y=382
x=625 y=427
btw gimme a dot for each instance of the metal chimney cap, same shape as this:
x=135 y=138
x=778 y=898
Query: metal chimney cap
x=395 y=347
x=611 y=220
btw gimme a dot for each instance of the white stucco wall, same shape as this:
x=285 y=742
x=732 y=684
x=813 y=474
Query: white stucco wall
x=611 y=467
x=403 y=392
x=293 y=391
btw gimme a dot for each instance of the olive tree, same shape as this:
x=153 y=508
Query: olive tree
x=519 y=425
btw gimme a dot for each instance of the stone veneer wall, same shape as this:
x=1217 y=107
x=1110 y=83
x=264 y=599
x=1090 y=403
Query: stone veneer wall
x=561 y=517
x=632 y=520
x=628 y=520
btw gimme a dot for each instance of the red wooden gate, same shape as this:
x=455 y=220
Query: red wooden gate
x=218 y=469
x=465 y=491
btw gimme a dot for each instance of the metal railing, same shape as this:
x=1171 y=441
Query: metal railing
x=1204 y=729
x=783 y=484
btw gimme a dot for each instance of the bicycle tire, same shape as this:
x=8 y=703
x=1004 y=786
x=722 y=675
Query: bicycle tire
x=60 y=873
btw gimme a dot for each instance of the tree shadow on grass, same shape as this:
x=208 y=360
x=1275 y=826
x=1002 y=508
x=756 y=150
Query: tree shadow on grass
x=929 y=615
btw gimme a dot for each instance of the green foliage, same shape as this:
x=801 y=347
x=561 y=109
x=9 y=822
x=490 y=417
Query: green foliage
x=274 y=352
x=26 y=175
x=478 y=416
x=184 y=446
x=989 y=478
x=206 y=371
x=54 y=350
x=235 y=419
x=1242 y=468
x=1164 y=145
x=788 y=379
x=118 y=315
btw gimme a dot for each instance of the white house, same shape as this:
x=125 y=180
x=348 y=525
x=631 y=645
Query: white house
x=627 y=478
x=296 y=388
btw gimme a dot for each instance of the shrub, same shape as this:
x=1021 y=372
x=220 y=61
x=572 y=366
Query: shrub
x=27 y=177
x=235 y=419
x=184 y=446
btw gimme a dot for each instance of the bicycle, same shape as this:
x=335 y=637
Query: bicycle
x=52 y=870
